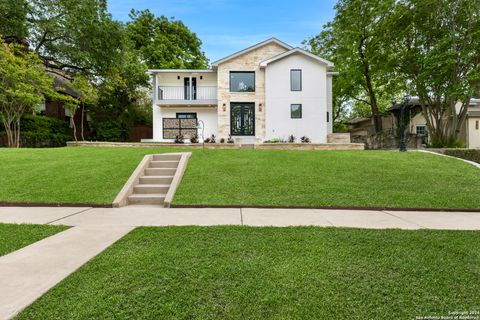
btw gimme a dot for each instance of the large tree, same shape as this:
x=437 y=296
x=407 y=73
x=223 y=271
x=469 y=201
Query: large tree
x=73 y=35
x=165 y=43
x=354 y=41
x=438 y=51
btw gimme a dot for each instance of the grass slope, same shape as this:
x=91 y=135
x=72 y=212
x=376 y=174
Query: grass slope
x=330 y=178
x=16 y=236
x=67 y=175
x=247 y=177
x=272 y=273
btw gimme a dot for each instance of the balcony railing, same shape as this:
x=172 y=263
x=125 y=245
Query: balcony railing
x=184 y=93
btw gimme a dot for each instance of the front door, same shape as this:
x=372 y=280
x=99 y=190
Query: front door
x=242 y=119
x=186 y=86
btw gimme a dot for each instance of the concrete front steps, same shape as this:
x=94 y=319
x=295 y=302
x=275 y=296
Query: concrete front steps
x=155 y=180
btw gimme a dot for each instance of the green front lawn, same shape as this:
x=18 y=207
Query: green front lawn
x=67 y=175
x=272 y=273
x=329 y=178
x=247 y=177
x=16 y=236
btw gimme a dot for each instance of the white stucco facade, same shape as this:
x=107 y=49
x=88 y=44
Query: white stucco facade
x=206 y=114
x=313 y=97
x=207 y=93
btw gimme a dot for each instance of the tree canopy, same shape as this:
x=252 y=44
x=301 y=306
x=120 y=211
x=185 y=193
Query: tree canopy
x=80 y=39
x=165 y=43
x=384 y=49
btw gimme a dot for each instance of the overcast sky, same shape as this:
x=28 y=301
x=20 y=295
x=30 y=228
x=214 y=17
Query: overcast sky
x=227 y=26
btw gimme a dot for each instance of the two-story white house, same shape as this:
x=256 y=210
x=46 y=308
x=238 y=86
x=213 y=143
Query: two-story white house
x=269 y=90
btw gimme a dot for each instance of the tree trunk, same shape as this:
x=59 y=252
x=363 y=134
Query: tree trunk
x=81 y=126
x=17 y=133
x=377 y=120
x=72 y=121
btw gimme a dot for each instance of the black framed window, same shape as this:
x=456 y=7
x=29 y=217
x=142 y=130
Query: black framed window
x=296 y=111
x=296 y=80
x=186 y=115
x=242 y=81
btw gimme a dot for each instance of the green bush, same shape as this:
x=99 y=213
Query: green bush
x=447 y=143
x=110 y=130
x=467 y=154
x=40 y=132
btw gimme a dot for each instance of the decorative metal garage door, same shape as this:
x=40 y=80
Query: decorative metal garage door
x=173 y=127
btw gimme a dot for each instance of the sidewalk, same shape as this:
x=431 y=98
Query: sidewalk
x=28 y=273
x=135 y=216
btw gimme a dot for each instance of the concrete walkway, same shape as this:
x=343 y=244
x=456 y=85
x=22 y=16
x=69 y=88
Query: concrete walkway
x=135 y=216
x=28 y=273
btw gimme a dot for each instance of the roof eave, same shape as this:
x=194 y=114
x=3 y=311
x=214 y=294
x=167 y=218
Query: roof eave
x=265 y=63
x=238 y=53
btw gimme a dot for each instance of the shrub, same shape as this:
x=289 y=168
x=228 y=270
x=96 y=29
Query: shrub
x=230 y=139
x=179 y=138
x=305 y=139
x=194 y=138
x=274 y=140
x=448 y=143
x=40 y=132
x=110 y=131
x=213 y=139
x=291 y=139
x=467 y=154
x=206 y=140
x=222 y=140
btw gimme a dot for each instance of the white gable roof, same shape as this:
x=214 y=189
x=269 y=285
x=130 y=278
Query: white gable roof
x=264 y=63
x=258 y=45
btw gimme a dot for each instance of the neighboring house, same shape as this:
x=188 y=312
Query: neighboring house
x=269 y=90
x=57 y=110
x=362 y=129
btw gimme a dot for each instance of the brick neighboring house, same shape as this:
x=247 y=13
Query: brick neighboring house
x=57 y=110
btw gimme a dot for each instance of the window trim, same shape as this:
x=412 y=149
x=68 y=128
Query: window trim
x=291 y=79
x=301 y=110
x=421 y=125
x=178 y=113
x=254 y=81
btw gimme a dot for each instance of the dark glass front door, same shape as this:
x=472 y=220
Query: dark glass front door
x=186 y=85
x=242 y=119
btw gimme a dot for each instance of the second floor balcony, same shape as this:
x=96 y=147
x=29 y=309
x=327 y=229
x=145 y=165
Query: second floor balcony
x=185 y=95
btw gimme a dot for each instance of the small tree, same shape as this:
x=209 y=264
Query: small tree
x=23 y=83
x=88 y=96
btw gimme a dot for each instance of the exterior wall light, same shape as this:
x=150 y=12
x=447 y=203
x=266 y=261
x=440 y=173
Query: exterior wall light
x=260 y=107
x=224 y=107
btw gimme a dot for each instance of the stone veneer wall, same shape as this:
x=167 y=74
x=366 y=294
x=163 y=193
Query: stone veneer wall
x=249 y=61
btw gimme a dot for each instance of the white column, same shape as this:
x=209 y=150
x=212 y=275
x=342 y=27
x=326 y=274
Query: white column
x=156 y=112
x=190 y=82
